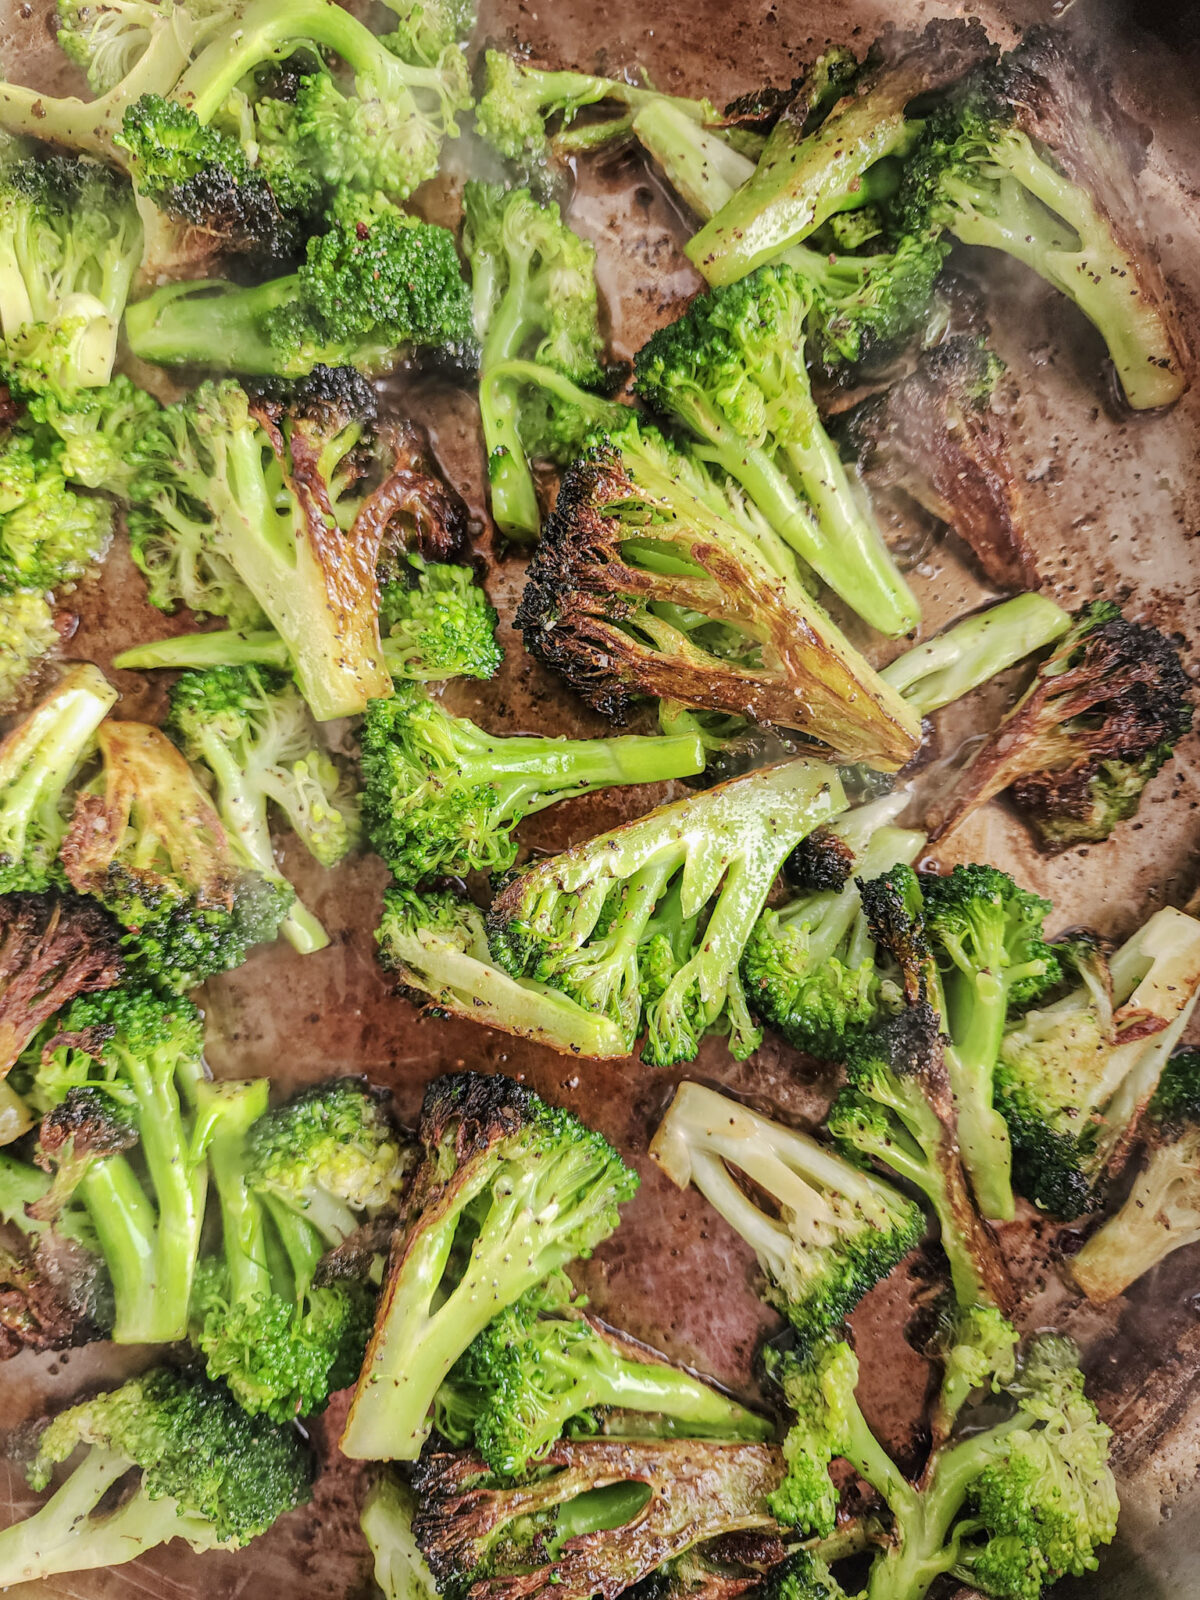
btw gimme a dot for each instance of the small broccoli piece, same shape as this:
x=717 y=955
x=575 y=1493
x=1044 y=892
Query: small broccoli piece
x=534 y=290
x=437 y=622
x=437 y=946
x=372 y=289
x=1075 y=1077
x=389 y=1508
x=146 y=841
x=832 y=1230
x=1161 y=1213
x=1101 y=718
x=86 y=1126
x=50 y=537
x=642 y=588
x=38 y=761
x=254 y=733
x=601 y=1515
x=52 y=948
x=443 y=797
x=732 y=371
x=821 y=159
x=535 y=1188
x=1031 y=158
x=108 y=40
x=98 y=431
x=426 y=29
x=544 y=1368
x=809 y=967
x=71 y=241
x=987 y=938
x=27 y=636
x=647 y=924
x=208 y=1474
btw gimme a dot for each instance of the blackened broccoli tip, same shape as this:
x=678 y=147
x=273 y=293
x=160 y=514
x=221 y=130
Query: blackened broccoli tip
x=732 y=370
x=541 y=1190
x=833 y=1230
x=444 y=797
x=207 y=1474
x=439 y=625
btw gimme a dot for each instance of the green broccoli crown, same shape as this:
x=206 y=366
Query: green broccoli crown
x=223 y=698
x=801 y=1575
x=815 y=1003
x=819 y=1389
x=986 y=925
x=865 y=306
x=108 y=1037
x=99 y=430
x=193 y=1444
x=438 y=625
x=514 y=107
x=54 y=538
x=1176 y=1101
x=27 y=635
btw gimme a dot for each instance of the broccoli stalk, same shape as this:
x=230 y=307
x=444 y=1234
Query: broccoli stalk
x=254 y=733
x=948 y=666
x=832 y=1230
x=1161 y=1213
x=732 y=370
x=208 y=1474
x=437 y=946
x=443 y=797
x=38 y=760
x=387 y=1516
x=618 y=921
x=531 y=1187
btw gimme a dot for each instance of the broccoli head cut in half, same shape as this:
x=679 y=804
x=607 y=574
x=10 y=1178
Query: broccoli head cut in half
x=52 y=948
x=39 y=758
x=207 y=1474
x=641 y=588
x=1032 y=157
x=544 y=1368
x=443 y=797
x=831 y=1230
x=376 y=287
x=147 y=842
x=509 y=1190
x=646 y=925
x=1161 y=1213
x=1076 y=752
x=436 y=944
x=601 y=1515
x=1075 y=1077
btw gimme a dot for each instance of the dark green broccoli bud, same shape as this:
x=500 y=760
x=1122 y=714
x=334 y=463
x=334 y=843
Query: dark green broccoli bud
x=253 y=731
x=1075 y=1077
x=1031 y=158
x=147 y=842
x=1101 y=718
x=537 y=1190
x=55 y=947
x=374 y=288
x=732 y=370
x=387 y=1516
x=27 y=636
x=802 y=1575
x=437 y=946
x=987 y=938
x=808 y=173
x=711 y=611
x=207 y=1474
x=437 y=622
x=647 y=924
x=544 y=1368
x=832 y=1230
x=39 y=758
x=443 y=797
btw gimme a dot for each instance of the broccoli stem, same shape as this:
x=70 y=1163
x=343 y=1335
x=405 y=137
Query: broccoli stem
x=55 y=1538
x=700 y=166
x=530 y=773
x=946 y=668
x=224 y=647
x=244 y=1240
x=124 y=1221
x=182 y=324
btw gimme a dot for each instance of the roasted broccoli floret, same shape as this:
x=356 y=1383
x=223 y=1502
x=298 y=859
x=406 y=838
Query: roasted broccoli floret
x=646 y=924
x=1006 y=1505
x=52 y=948
x=601 y=1515
x=437 y=622
x=437 y=946
x=147 y=842
x=544 y=1368
x=207 y=1474
x=509 y=1190
x=442 y=797
x=831 y=1230
x=387 y=1516
x=253 y=731
x=1075 y=1077
x=374 y=288
x=641 y=588
x=27 y=636
x=95 y=432
x=1102 y=716
x=1031 y=158
x=38 y=760
x=534 y=290
x=426 y=29
x=1161 y=1213
x=107 y=40
x=732 y=371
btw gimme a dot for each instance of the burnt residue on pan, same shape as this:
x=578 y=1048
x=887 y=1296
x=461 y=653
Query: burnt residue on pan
x=1112 y=506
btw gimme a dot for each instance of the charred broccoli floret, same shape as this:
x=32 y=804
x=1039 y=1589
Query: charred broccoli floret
x=52 y=948
x=27 y=636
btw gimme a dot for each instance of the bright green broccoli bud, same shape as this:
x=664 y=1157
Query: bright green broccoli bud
x=55 y=536
x=27 y=636
x=832 y=1231
x=426 y=29
x=819 y=1389
x=207 y=1474
x=443 y=797
x=437 y=622
x=539 y=1189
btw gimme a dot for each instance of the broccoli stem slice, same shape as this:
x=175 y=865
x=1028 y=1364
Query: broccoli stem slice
x=944 y=669
x=215 y=324
x=60 y=1537
x=224 y=647
x=244 y=1240
x=401 y=1571
x=702 y=168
